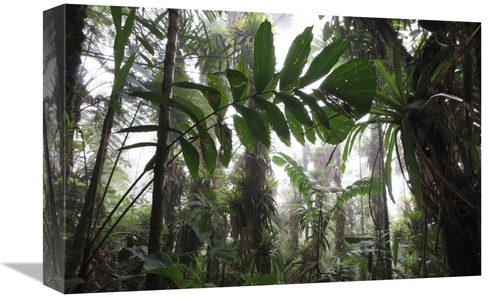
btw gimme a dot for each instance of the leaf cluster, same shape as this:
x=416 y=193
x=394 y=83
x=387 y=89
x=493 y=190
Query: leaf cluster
x=279 y=101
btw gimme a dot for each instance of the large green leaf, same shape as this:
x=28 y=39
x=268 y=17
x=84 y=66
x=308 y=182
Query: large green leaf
x=226 y=145
x=275 y=118
x=296 y=59
x=245 y=92
x=352 y=140
x=264 y=57
x=296 y=127
x=208 y=149
x=279 y=161
x=243 y=132
x=354 y=83
x=121 y=39
x=411 y=159
x=310 y=133
x=119 y=45
x=259 y=279
x=146 y=45
x=398 y=75
x=147 y=60
x=129 y=23
x=157 y=260
x=295 y=107
x=392 y=89
x=238 y=83
x=389 y=145
x=212 y=95
x=386 y=99
x=256 y=123
x=323 y=62
x=161 y=264
x=191 y=157
x=316 y=110
x=169 y=102
x=193 y=107
x=340 y=127
x=139 y=145
x=215 y=83
x=149 y=128
x=151 y=28
x=123 y=72
x=395 y=251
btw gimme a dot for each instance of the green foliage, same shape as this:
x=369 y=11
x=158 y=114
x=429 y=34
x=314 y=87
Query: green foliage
x=295 y=172
x=259 y=279
x=350 y=86
x=296 y=59
x=264 y=57
x=121 y=39
x=191 y=157
x=275 y=118
x=168 y=266
x=365 y=186
x=323 y=62
x=243 y=133
x=256 y=124
x=353 y=82
x=238 y=82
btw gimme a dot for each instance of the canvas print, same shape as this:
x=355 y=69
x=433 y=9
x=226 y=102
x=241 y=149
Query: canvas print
x=206 y=149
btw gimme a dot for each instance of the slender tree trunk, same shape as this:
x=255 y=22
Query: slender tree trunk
x=174 y=189
x=340 y=213
x=254 y=200
x=157 y=213
x=75 y=37
x=380 y=208
x=75 y=22
x=257 y=203
x=362 y=270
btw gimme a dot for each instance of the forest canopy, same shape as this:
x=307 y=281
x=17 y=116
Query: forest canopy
x=183 y=149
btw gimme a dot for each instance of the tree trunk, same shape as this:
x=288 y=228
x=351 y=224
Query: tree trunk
x=174 y=189
x=362 y=270
x=380 y=208
x=162 y=151
x=340 y=213
x=255 y=201
x=75 y=38
x=75 y=21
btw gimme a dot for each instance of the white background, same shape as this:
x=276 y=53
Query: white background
x=21 y=147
